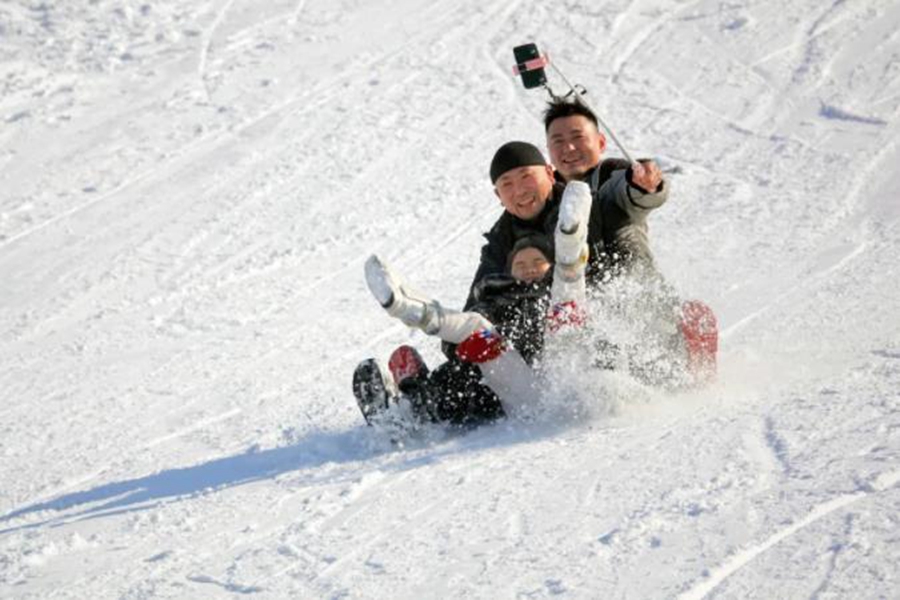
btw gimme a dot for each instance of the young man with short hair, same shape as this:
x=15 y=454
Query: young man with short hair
x=619 y=233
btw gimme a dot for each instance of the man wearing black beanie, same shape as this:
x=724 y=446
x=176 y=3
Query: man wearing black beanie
x=514 y=154
x=523 y=181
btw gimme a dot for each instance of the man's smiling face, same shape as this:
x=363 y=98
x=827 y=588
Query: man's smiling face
x=575 y=146
x=524 y=191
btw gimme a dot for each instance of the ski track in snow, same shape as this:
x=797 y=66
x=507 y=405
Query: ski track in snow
x=187 y=196
x=205 y=45
x=741 y=559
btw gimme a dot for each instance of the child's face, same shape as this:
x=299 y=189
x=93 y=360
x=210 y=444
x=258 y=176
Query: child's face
x=529 y=265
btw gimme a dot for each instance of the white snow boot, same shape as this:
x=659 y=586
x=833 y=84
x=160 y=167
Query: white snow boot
x=413 y=309
x=570 y=239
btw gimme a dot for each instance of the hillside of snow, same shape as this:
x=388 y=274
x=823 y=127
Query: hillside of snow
x=188 y=191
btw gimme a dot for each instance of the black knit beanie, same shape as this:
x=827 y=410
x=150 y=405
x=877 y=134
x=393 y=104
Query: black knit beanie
x=541 y=242
x=512 y=155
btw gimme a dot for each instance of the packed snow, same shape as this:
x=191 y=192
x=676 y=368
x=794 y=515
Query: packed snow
x=189 y=190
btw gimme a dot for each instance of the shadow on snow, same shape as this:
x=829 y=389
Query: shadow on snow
x=315 y=450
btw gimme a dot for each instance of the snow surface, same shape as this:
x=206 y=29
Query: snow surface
x=188 y=191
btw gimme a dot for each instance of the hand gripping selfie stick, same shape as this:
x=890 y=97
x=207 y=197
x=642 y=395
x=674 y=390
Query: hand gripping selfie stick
x=530 y=65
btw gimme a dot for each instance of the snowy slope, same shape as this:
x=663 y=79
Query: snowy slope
x=188 y=192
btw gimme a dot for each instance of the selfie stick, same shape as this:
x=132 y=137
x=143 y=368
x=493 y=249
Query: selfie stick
x=532 y=62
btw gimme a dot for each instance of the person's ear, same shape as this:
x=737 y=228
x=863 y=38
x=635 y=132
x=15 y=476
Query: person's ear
x=602 y=142
x=551 y=174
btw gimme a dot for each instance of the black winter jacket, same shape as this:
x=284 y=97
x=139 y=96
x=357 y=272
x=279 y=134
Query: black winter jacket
x=516 y=309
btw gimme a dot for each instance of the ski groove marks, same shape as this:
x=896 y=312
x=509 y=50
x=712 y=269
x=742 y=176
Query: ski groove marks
x=834 y=113
x=193 y=427
x=816 y=278
x=229 y=587
x=642 y=34
x=298 y=10
x=351 y=502
x=206 y=45
x=778 y=446
x=885 y=481
x=719 y=574
x=834 y=551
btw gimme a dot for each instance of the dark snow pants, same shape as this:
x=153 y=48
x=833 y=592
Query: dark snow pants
x=453 y=393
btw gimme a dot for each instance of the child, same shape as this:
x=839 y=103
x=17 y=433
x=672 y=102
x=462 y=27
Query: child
x=516 y=302
x=478 y=340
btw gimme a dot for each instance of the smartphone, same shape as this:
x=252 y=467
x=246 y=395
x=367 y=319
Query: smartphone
x=530 y=65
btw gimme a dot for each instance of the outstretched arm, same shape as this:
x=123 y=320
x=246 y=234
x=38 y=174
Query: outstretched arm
x=637 y=190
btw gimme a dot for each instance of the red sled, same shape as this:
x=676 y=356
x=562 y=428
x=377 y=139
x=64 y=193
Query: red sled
x=700 y=331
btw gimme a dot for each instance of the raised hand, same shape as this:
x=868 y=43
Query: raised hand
x=646 y=175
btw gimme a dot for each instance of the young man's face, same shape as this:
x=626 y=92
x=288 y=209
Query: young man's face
x=529 y=265
x=575 y=146
x=524 y=191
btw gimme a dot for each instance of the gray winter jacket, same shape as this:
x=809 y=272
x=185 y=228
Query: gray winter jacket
x=619 y=235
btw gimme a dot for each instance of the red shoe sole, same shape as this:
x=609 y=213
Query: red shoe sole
x=406 y=362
